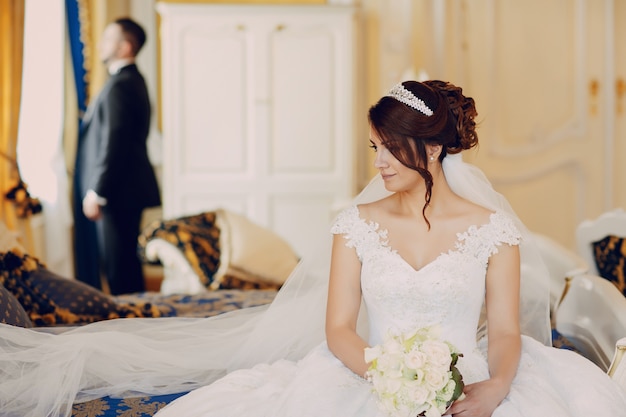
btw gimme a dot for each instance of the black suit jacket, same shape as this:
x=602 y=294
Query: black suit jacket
x=112 y=156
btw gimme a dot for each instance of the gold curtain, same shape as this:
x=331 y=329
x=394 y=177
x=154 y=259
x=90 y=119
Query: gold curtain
x=11 y=53
x=101 y=13
x=95 y=15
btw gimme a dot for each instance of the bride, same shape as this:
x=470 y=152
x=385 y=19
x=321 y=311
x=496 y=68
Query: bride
x=427 y=243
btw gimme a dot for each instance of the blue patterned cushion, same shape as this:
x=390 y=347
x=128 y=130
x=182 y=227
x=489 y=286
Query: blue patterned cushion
x=50 y=299
x=11 y=311
x=196 y=236
x=86 y=302
x=610 y=257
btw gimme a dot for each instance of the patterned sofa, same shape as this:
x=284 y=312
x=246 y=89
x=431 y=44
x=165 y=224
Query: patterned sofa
x=229 y=273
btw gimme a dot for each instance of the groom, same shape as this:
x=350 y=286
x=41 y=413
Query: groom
x=113 y=178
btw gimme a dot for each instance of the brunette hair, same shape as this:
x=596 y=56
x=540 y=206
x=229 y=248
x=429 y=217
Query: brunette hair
x=132 y=32
x=405 y=132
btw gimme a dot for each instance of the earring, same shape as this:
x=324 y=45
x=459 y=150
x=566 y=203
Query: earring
x=432 y=158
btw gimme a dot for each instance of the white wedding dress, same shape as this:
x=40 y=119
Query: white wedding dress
x=447 y=292
x=271 y=360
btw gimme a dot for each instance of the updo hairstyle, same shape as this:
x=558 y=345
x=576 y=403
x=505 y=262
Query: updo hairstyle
x=405 y=132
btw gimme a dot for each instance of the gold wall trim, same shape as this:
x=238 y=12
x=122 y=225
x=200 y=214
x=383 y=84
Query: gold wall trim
x=620 y=351
x=265 y=2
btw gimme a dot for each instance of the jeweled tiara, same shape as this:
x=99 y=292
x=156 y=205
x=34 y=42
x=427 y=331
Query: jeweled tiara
x=400 y=93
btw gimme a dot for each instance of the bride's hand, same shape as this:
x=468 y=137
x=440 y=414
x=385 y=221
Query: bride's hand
x=480 y=400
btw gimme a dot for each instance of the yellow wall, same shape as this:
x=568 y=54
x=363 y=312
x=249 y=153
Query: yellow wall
x=102 y=13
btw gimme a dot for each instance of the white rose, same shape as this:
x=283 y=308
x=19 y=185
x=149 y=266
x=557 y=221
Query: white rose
x=417 y=393
x=438 y=353
x=436 y=378
x=415 y=359
x=448 y=391
x=390 y=364
x=393 y=385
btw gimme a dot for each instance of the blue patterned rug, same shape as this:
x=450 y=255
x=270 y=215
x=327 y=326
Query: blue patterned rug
x=206 y=304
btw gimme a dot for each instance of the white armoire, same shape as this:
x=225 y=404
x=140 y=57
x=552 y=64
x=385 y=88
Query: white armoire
x=259 y=113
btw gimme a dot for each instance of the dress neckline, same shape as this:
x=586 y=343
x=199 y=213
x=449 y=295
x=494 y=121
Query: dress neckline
x=460 y=241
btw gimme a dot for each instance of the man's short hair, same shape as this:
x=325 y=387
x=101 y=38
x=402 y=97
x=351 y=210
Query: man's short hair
x=132 y=32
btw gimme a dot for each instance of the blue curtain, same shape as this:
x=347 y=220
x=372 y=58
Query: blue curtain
x=77 y=46
x=77 y=16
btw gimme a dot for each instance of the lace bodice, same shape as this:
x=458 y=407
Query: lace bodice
x=448 y=292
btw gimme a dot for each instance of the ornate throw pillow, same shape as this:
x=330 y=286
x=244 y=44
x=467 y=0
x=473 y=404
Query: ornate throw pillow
x=253 y=257
x=196 y=236
x=50 y=299
x=11 y=311
x=610 y=256
x=226 y=250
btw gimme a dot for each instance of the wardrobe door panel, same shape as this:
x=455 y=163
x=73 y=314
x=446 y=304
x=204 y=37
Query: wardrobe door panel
x=213 y=99
x=303 y=104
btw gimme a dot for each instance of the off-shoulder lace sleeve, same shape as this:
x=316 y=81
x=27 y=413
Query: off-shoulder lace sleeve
x=504 y=229
x=345 y=221
x=482 y=242
x=359 y=234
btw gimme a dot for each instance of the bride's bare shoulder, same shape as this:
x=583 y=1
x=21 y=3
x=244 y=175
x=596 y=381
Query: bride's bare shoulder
x=474 y=213
x=375 y=208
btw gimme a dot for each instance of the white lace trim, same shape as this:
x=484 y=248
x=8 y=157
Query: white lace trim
x=478 y=241
x=447 y=291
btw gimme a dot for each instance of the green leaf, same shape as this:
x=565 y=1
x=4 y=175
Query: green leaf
x=458 y=378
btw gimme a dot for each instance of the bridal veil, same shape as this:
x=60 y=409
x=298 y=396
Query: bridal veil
x=42 y=372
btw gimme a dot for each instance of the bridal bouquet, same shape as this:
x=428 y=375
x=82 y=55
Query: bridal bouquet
x=414 y=374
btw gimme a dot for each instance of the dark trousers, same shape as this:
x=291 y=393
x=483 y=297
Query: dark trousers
x=86 y=252
x=118 y=230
